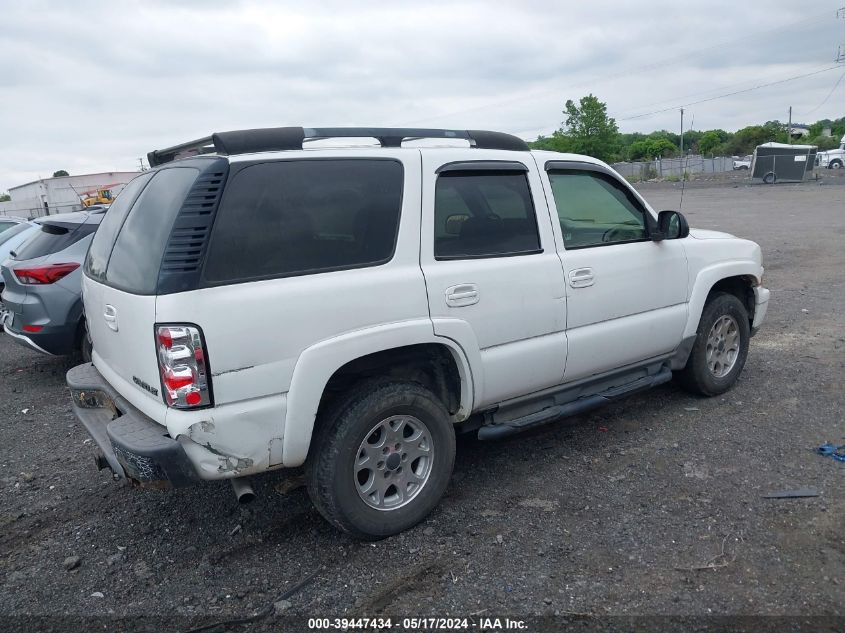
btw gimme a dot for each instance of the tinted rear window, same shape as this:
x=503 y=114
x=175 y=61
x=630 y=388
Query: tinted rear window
x=52 y=238
x=136 y=257
x=297 y=217
x=101 y=247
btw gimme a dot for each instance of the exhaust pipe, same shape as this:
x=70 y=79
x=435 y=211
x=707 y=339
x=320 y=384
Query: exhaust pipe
x=243 y=490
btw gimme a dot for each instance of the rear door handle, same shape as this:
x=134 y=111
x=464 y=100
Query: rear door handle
x=581 y=277
x=461 y=295
x=110 y=315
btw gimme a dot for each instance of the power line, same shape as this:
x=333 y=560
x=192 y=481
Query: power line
x=829 y=94
x=792 y=26
x=728 y=94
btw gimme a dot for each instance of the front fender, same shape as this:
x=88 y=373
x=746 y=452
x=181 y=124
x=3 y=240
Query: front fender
x=707 y=278
x=316 y=365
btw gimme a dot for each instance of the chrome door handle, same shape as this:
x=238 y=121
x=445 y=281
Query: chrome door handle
x=461 y=295
x=581 y=277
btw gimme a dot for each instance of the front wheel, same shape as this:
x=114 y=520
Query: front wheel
x=381 y=459
x=721 y=347
x=836 y=164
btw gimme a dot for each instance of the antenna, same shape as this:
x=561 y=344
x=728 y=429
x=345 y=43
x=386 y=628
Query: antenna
x=76 y=192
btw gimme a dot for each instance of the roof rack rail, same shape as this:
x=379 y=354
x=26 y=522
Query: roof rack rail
x=288 y=138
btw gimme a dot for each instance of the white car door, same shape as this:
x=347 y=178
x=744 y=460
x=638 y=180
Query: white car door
x=627 y=295
x=491 y=269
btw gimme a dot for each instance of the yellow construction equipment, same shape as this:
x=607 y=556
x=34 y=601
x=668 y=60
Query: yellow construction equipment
x=100 y=195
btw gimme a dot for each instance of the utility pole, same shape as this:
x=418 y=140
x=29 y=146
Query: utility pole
x=840 y=52
x=789 y=127
x=682 y=132
x=141 y=165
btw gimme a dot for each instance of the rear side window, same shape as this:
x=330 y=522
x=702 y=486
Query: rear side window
x=297 y=217
x=101 y=247
x=136 y=257
x=52 y=238
x=484 y=214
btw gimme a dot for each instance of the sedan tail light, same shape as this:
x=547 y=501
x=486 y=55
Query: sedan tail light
x=44 y=274
x=185 y=377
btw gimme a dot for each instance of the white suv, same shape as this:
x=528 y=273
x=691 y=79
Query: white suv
x=254 y=305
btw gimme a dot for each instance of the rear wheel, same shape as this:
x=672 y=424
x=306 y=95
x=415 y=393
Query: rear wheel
x=381 y=459
x=770 y=178
x=836 y=164
x=86 y=346
x=721 y=346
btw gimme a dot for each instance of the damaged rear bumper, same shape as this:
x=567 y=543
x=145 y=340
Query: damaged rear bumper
x=133 y=445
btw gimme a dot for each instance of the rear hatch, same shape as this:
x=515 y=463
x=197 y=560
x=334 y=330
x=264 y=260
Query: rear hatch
x=121 y=281
x=42 y=250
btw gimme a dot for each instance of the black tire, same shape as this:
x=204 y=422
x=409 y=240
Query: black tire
x=697 y=377
x=835 y=164
x=770 y=178
x=330 y=470
x=86 y=345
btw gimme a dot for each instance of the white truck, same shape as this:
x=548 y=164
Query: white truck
x=255 y=305
x=833 y=158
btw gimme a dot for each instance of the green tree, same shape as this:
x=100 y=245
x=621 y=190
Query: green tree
x=557 y=142
x=823 y=142
x=651 y=148
x=5 y=197
x=61 y=172
x=589 y=129
x=711 y=139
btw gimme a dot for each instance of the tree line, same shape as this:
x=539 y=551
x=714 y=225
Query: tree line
x=587 y=129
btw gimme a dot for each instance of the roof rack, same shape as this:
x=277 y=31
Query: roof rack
x=288 y=138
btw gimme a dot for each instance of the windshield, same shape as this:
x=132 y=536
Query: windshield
x=5 y=236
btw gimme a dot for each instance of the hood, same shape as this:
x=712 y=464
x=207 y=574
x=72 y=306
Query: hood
x=705 y=234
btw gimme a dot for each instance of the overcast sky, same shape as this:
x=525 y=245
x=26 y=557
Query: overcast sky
x=93 y=86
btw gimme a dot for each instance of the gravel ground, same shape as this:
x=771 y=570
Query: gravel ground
x=651 y=506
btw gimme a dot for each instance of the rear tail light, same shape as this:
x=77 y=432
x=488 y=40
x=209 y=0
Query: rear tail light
x=184 y=370
x=44 y=274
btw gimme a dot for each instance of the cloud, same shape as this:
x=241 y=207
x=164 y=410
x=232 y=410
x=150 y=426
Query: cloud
x=90 y=86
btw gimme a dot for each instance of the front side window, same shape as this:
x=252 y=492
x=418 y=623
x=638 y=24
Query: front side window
x=483 y=214
x=594 y=209
x=305 y=216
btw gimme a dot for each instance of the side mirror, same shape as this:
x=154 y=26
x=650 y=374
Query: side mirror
x=671 y=225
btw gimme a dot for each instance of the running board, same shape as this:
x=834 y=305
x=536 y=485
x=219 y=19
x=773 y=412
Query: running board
x=586 y=403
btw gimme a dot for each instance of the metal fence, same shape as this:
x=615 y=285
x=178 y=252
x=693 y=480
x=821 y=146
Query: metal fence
x=27 y=211
x=674 y=167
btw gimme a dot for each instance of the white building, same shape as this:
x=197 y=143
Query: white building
x=63 y=194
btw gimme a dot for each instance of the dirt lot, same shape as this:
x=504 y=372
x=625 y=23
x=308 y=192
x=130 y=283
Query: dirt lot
x=652 y=506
